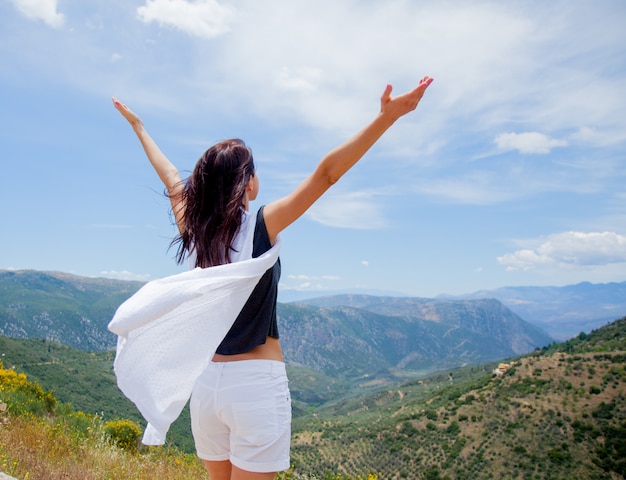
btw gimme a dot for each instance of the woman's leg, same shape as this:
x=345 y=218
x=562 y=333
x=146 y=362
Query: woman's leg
x=226 y=471
x=219 y=470
x=239 y=474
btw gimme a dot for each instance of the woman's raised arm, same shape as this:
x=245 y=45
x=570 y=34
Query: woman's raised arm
x=281 y=213
x=167 y=172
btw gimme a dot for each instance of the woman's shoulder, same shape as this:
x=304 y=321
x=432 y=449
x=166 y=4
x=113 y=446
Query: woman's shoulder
x=262 y=242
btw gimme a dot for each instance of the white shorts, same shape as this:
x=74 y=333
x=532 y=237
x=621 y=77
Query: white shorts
x=241 y=411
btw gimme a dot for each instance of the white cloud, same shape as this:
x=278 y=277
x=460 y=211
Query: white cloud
x=569 y=249
x=125 y=275
x=355 y=210
x=310 y=278
x=305 y=63
x=475 y=188
x=365 y=263
x=594 y=136
x=309 y=282
x=528 y=142
x=200 y=18
x=44 y=10
x=301 y=79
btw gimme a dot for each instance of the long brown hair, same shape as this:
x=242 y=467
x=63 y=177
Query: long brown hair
x=213 y=199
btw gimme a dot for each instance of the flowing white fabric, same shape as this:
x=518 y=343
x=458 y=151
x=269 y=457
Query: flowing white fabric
x=169 y=330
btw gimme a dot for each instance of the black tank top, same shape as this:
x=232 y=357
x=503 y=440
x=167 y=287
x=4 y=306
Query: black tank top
x=257 y=319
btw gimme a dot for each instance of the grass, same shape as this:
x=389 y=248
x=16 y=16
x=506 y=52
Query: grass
x=33 y=448
x=42 y=439
x=557 y=413
x=41 y=449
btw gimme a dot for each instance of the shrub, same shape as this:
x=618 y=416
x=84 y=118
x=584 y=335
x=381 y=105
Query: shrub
x=453 y=428
x=23 y=396
x=431 y=415
x=125 y=433
x=559 y=456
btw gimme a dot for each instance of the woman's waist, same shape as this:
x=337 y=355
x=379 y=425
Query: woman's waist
x=270 y=350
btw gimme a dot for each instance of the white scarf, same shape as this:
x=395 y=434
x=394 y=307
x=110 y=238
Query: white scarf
x=169 y=331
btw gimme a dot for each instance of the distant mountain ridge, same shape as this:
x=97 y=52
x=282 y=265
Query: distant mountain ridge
x=563 y=312
x=412 y=333
x=56 y=306
x=346 y=335
x=566 y=311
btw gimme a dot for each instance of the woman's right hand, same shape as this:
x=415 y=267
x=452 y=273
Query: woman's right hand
x=396 y=107
x=127 y=113
x=167 y=172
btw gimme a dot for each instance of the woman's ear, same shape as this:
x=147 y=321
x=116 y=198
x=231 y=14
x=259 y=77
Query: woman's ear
x=250 y=185
x=252 y=188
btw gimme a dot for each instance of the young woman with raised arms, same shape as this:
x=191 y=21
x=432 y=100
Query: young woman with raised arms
x=240 y=406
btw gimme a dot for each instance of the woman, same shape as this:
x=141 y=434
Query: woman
x=240 y=407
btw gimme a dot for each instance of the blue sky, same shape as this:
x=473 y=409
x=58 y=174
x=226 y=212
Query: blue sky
x=511 y=171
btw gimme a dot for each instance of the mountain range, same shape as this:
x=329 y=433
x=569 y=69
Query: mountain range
x=367 y=338
x=563 y=312
x=65 y=308
x=382 y=334
x=566 y=311
x=349 y=336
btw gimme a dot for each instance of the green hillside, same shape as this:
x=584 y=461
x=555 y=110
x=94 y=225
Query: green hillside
x=87 y=381
x=558 y=413
x=60 y=307
x=83 y=379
